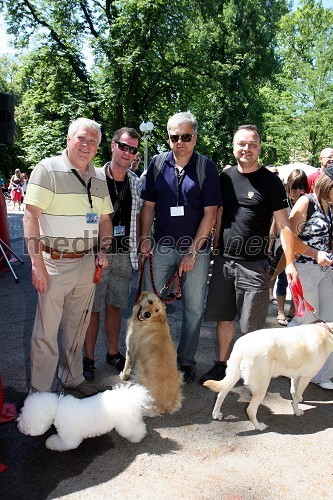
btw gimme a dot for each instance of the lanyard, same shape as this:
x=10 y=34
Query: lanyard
x=179 y=179
x=120 y=195
x=88 y=186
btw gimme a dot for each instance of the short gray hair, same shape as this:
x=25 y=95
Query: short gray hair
x=180 y=119
x=84 y=122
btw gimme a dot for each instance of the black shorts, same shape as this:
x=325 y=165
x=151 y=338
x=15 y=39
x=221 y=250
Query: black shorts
x=240 y=288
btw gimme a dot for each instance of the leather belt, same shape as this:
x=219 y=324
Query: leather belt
x=56 y=254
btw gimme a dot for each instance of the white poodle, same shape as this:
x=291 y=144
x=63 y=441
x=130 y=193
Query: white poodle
x=76 y=419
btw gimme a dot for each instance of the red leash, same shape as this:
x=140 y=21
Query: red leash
x=167 y=284
x=301 y=304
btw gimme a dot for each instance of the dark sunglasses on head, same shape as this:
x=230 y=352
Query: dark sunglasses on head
x=125 y=147
x=183 y=137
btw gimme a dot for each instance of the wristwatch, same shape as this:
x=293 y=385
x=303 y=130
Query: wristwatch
x=191 y=254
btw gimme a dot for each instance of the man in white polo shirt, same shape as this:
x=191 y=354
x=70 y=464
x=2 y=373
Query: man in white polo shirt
x=67 y=214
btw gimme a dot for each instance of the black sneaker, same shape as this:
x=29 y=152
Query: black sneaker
x=188 y=373
x=117 y=360
x=88 y=369
x=215 y=373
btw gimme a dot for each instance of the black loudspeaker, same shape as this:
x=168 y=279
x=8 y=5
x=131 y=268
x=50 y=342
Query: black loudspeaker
x=7 y=125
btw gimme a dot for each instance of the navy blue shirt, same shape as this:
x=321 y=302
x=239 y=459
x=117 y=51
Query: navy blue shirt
x=179 y=231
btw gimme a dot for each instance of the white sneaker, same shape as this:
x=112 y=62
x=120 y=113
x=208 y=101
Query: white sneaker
x=325 y=385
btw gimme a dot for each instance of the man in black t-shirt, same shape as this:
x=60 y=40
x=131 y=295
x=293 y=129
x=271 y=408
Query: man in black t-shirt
x=251 y=196
x=113 y=290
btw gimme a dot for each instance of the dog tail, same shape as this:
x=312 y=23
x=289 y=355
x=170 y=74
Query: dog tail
x=232 y=375
x=38 y=413
x=134 y=397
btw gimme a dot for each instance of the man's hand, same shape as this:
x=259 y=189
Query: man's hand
x=146 y=249
x=186 y=264
x=39 y=277
x=101 y=259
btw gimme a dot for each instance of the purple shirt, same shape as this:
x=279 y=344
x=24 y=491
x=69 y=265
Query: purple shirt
x=179 y=231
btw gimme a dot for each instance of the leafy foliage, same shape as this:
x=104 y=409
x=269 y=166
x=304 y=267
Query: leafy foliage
x=124 y=62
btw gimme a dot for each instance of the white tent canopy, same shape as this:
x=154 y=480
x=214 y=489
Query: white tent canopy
x=285 y=170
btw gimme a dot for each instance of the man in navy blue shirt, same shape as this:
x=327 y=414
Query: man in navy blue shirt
x=184 y=208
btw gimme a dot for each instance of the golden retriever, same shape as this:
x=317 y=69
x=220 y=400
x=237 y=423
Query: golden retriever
x=151 y=354
x=296 y=352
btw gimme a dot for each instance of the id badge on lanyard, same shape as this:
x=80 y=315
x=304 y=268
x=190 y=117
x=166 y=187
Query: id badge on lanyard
x=178 y=210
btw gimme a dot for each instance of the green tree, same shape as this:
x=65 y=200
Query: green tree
x=150 y=59
x=300 y=99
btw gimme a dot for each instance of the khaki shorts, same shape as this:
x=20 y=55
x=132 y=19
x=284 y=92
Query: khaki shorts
x=114 y=287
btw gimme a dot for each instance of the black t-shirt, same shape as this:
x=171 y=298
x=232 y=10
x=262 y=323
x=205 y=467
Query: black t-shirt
x=120 y=244
x=249 y=201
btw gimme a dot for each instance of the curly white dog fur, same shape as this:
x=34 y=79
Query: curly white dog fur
x=297 y=352
x=121 y=409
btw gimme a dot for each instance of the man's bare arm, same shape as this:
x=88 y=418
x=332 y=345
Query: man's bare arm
x=32 y=240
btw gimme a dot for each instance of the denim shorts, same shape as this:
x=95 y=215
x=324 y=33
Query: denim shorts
x=239 y=288
x=114 y=287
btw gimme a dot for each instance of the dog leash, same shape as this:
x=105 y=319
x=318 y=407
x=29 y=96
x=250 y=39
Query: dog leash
x=167 y=284
x=301 y=304
x=78 y=334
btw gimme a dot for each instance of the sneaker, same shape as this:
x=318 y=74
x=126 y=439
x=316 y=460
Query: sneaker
x=117 y=360
x=88 y=369
x=188 y=373
x=82 y=390
x=215 y=373
x=325 y=385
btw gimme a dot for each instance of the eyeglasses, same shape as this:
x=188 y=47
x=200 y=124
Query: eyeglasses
x=126 y=147
x=297 y=186
x=183 y=137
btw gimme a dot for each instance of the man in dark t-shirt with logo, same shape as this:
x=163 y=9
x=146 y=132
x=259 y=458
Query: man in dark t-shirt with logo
x=251 y=196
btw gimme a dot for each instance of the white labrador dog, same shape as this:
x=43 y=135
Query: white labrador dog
x=121 y=409
x=296 y=352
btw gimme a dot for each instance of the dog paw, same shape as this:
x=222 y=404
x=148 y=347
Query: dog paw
x=298 y=412
x=54 y=443
x=217 y=415
x=124 y=375
x=260 y=426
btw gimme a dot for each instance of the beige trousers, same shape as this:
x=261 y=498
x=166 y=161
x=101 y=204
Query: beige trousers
x=66 y=305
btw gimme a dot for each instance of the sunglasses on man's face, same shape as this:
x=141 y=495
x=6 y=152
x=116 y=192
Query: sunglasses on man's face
x=126 y=147
x=184 y=137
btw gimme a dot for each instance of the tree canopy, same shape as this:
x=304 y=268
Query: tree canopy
x=124 y=62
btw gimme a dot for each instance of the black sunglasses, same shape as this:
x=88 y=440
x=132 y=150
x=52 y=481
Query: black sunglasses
x=183 y=137
x=126 y=147
x=299 y=186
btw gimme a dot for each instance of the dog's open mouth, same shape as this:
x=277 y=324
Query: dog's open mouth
x=139 y=315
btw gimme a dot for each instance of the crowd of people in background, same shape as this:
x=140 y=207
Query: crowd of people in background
x=163 y=220
x=15 y=190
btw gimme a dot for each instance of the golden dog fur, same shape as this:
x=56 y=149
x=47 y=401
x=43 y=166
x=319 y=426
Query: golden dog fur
x=297 y=352
x=151 y=354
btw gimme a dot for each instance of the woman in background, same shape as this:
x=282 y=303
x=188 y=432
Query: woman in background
x=16 y=183
x=311 y=219
x=297 y=185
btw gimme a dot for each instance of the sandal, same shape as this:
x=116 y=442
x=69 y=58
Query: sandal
x=282 y=321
